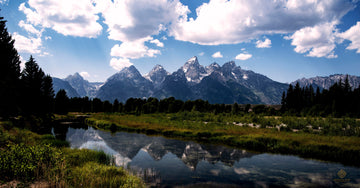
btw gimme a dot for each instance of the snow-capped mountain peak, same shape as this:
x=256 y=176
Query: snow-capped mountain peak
x=194 y=72
x=157 y=75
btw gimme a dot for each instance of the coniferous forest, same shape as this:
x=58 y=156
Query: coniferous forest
x=338 y=101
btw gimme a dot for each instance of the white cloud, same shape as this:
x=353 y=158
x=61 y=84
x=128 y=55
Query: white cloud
x=22 y=64
x=48 y=38
x=74 y=18
x=133 y=50
x=119 y=64
x=4 y=1
x=130 y=20
x=217 y=55
x=44 y=54
x=29 y=28
x=352 y=35
x=201 y=53
x=243 y=56
x=28 y=45
x=157 y=42
x=236 y=21
x=263 y=44
x=84 y=74
x=317 y=41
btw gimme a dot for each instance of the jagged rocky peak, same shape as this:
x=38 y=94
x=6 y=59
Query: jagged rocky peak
x=192 y=64
x=229 y=65
x=157 y=75
x=212 y=67
x=75 y=76
x=130 y=71
x=157 y=69
x=127 y=72
x=194 y=72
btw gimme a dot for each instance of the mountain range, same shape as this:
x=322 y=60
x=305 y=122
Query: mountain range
x=76 y=86
x=217 y=84
x=324 y=82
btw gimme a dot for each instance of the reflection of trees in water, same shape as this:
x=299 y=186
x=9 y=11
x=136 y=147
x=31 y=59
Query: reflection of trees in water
x=149 y=175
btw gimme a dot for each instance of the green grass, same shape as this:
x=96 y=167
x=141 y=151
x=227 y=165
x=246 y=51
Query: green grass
x=26 y=157
x=329 y=144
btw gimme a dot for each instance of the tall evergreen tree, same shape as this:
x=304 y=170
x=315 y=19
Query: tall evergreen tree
x=47 y=94
x=38 y=91
x=9 y=73
x=61 y=102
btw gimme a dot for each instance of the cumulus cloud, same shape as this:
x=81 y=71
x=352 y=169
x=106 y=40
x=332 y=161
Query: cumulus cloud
x=70 y=18
x=130 y=20
x=352 y=35
x=22 y=64
x=84 y=74
x=3 y=1
x=120 y=63
x=133 y=50
x=29 y=28
x=157 y=42
x=28 y=45
x=134 y=22
x=317 y=41
x=236 y=21
x=217 y=55
x=243 y=56
x=263 y=44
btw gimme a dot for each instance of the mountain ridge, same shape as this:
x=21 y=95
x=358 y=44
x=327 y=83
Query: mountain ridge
x=217 y=84
x=227 y=84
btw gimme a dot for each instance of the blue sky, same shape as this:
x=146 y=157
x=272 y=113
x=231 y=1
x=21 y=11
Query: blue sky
x=282 y=39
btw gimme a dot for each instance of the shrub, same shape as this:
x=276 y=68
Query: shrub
x=27 y=163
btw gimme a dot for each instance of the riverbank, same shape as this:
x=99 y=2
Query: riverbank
x=30 y=159
x=222 y=129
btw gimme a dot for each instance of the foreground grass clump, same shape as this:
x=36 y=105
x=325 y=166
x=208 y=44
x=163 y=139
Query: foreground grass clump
x=267 y=137
x=35 y=158
x=95 y=175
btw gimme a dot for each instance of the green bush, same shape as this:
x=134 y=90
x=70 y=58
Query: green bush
x=27 y=163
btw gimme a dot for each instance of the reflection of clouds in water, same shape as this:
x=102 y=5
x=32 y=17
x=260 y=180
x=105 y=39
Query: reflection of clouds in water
x=241 y=171
x=90 y=139
x=322 y=179
x=102 y=146
x=215 y=172
x=303 y=179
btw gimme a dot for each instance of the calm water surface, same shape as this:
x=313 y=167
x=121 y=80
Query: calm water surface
x=170 y=163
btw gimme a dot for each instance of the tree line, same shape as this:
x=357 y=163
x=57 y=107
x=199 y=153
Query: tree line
x=339 y=100
x=138 y=106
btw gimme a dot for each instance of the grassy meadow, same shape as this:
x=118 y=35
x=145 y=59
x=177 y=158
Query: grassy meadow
x=29 y=159
x=330 y=139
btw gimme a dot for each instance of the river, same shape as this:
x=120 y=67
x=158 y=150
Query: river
x=164 y=162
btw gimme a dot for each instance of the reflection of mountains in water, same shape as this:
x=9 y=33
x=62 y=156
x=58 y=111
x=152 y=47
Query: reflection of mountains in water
x=127 y=146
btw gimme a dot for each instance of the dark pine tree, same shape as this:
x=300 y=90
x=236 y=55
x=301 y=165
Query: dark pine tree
x=47 y=95
x=9 y=74
x=61 y=102
x=33 y=78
